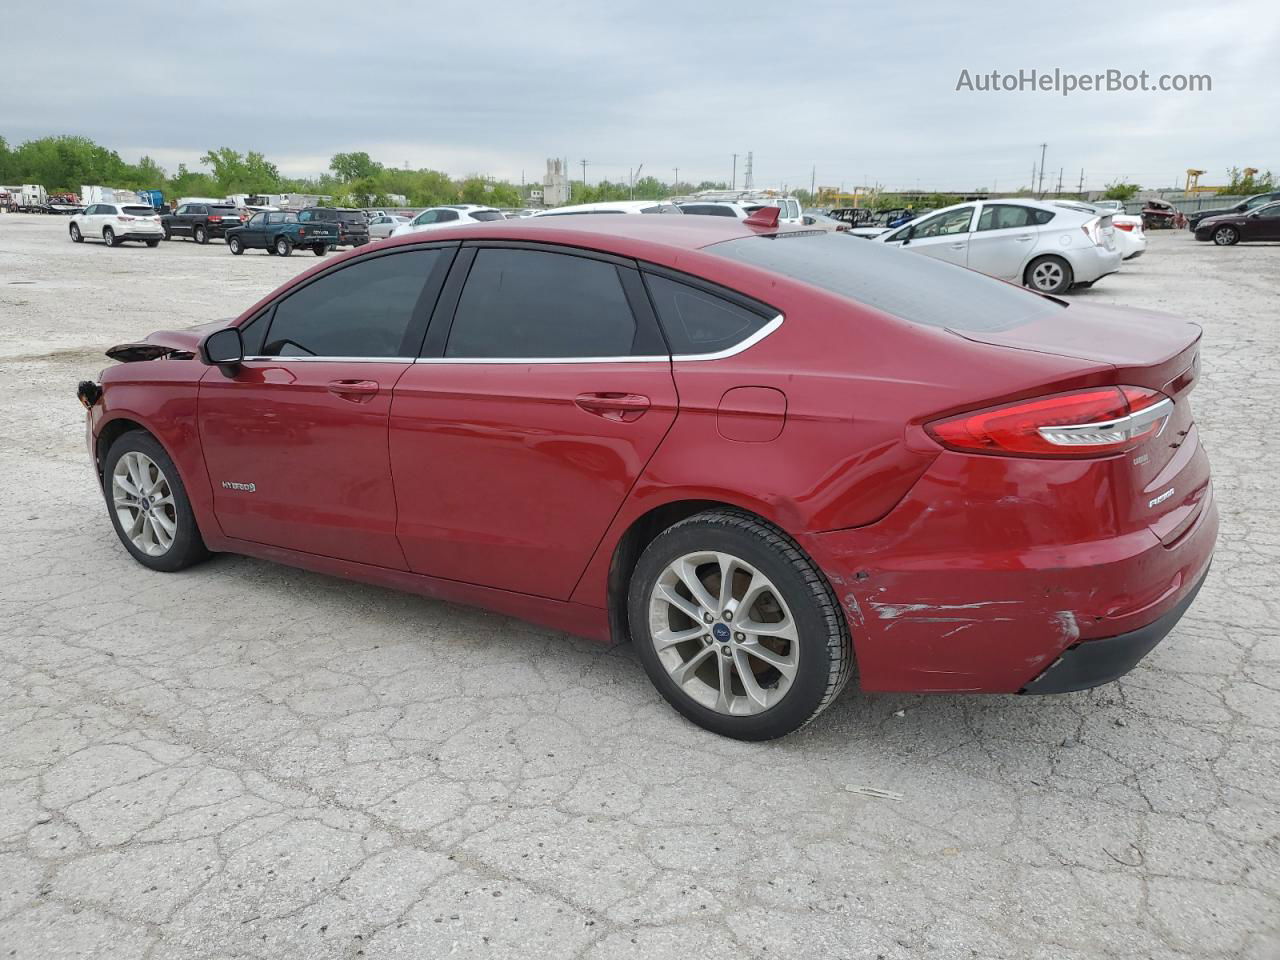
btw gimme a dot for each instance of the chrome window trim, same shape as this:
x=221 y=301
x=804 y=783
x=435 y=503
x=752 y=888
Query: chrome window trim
x=330 y=359
x=737 y=348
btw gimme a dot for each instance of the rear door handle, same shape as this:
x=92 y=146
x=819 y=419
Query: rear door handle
x=1024 y=238
x=353 y=390
x=958 y=246
x=619 y=407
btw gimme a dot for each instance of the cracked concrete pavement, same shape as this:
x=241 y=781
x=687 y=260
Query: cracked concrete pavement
x=248 y=761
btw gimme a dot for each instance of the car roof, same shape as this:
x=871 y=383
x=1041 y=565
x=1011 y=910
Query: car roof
x=603 y=205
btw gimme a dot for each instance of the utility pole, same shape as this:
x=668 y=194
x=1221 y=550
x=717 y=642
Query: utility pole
x=1080 y=189
x=584 y=173
x=1040 y=189
x=813 y=180
x=733 y=185
x=1060 y=170
x=747 y=183
x=676 y=185
x=635 y=175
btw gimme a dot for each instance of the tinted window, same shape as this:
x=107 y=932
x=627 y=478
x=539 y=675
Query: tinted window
x=699 y=322
x=486 y=215
x=1002 y=216
x=196 y=209
x=1040 y=217
x=919 y=289
x=1270 y=212
x=708 y=210
x=661 y=208
x=140 y=211
x=443 y=215
x=223 y=211
x=362 y=310
x=528 y=303
x=352 y=216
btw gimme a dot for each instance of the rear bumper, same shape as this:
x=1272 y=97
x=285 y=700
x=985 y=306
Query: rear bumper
x=1092 y=663
x=1093 y=263
x=956 y=592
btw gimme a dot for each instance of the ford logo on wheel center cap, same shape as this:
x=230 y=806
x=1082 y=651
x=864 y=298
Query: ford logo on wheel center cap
x=721 y=632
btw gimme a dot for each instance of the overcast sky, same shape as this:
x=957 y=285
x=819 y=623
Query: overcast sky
x=864 y=92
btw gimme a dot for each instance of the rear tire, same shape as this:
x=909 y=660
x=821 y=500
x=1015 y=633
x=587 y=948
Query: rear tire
x=1051 y=275
x=781 y=674
x=200 y=235
x=76 y=236
x=148 y=504
x=109 y=237
x=319 y=249
x=236 y=246
x=283 y=247
x=153 y=243
x=1226 y=236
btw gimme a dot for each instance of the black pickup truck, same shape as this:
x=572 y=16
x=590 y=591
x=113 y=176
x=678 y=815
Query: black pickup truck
x=280 y=231
x=353 y=225
x=200 y=221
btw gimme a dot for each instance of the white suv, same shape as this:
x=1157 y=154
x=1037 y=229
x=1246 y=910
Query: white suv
x=448 y=216
x=116 y=222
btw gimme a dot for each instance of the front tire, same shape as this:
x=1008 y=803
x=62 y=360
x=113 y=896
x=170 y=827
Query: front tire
x=1226 y=236
x=1051 y=275
x=201 y=235
x=76 y=236
x=283 y=247
x=149 y=506
x=236 y=246
x=736 y=627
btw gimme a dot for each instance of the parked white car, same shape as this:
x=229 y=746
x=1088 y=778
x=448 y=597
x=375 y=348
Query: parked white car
x=114 y=223
x=612 y=206
x=1131 y=235
x=448 y=216
x=1045 y=247
x=382 y=227
x=719 y=208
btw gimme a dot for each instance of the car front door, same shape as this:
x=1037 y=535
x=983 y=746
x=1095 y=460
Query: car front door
x=254 y=232
x=539 y=400
x=296 y=440
x=1003 y=240
x=1262 y=224
x=944 y=235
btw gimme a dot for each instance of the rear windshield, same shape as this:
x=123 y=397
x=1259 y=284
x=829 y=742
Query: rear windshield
x=139 y=211
x=351 y=216
x=223 y=211
x=487 y=215
x=908 y=285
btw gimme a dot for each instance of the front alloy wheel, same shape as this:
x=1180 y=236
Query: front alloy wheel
x=736 y=627
x=144 y=504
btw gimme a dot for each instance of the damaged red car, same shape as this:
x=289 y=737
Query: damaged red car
x=772 y=459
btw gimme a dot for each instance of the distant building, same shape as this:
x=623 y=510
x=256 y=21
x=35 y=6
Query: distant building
x=555 y=184
x=535 y=196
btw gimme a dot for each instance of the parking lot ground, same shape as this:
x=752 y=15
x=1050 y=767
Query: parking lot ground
x=244 y=760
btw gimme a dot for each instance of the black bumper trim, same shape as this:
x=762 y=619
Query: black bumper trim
x=1091 y=663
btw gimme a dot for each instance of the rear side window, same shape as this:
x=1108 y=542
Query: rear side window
x=484 y=215
x=530 y=303
x=1002 y=216
x=708 y=210
x=362 y=310
x=918 y=289
x=696 y=321
x=443 y=215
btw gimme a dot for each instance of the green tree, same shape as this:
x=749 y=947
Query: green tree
x=353 y=166
x=1245 y=182
x=1118 y=190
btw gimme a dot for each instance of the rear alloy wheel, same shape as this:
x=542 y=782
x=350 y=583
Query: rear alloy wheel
x=109 y=236
x=1049 y=275
x=149 y=507
x=76 y=236
x=201 y=235
x=236 y=246
x=736 y=628
x=1226 y=236
x=283 y=247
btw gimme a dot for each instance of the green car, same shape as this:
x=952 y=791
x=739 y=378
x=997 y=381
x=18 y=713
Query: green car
x=279 y=232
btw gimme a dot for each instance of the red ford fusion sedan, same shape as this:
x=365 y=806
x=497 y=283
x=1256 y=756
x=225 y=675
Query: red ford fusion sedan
x=766 y=456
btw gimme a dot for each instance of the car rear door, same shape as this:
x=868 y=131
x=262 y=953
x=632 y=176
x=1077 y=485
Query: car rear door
x=944 y=236
x=1003 y=240
x=544 y=389
x=296 y=440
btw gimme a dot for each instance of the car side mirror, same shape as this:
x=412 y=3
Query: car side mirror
x=223 y=349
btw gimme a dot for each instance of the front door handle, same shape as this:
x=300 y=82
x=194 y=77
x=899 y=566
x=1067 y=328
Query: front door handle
x=356 y=391
x=619 y=407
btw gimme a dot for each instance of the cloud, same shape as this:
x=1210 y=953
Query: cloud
x=841 y=91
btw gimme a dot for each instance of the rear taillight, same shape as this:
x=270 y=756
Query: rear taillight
x=302 y=231
x=1082 y=423
x=1093 y=230
x=121 y=216
x=213 y=218
x=1126 y=227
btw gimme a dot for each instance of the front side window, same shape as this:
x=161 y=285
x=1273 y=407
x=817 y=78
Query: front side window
x=530 y=303
x=427 y=216
x=361 y=310
x=256 y=220
x=944 y=224
x=483 y=215
x=1271 y=212
x=696 y=321
x=184 y=209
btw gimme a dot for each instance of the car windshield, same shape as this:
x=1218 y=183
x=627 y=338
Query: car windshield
x=486 y=215
x=918 y=289
x=139 y=211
